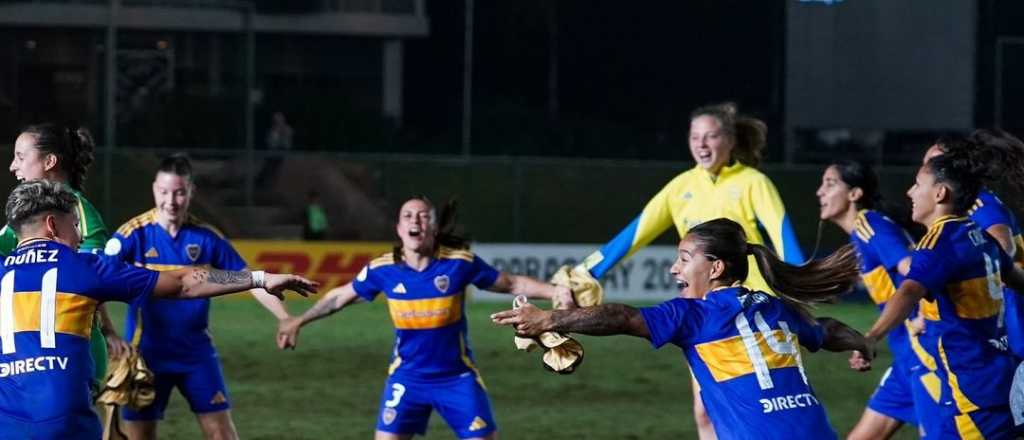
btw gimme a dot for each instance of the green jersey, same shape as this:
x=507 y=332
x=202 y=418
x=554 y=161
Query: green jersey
x=94 y=232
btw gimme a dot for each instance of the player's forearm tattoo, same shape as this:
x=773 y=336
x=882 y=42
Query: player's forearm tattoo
x=841 y=337
x=605 y=319
x=217 y=276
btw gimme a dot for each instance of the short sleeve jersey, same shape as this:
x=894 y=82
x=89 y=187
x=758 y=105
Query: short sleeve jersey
x=744 y=350
x=172 y=334
x=48 y=295
x=960 y=265
x=881 y=244
x=427 y=310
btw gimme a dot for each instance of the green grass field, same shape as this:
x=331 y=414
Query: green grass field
x=329 y=387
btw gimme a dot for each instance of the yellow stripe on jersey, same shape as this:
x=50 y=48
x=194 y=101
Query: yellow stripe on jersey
x=862 y=228
x=933 y=385
x=137 y=222
x=382 y=260
x=74 y=313
x=728 y=359
x=879 y=285
x=915 y=344
x=935 y=231
x=971 y=298
x=929 y=309
x=419 y=314
x=454 y=254
x=962 y=402
x=966 y=428
x=469 y=363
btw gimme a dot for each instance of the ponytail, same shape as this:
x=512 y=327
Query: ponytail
x=819 y=281
x=73 y=148
x=749 y=134
x=799 y=287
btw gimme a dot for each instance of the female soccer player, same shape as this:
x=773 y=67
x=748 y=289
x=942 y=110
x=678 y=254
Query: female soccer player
x=958 y=268
x=849 y=197
x=725 y=183
x=743 y=346
x=50 y=292
x=424 y=280
x=991 y=215
x=173 y=336
x=63 y=154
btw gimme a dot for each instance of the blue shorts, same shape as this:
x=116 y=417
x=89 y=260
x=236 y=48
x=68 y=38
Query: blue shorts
x=894 y=397
x=203 y=388
x=987 y=423
x=406 y=404
x=73 y=427
x=930 y=411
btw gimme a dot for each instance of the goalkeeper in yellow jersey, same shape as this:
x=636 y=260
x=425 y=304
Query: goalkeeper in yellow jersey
x=725 y=183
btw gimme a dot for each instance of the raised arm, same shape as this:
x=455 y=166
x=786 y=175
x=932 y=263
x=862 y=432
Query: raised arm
x=602 y=320
x=196 y=282
x=334 y=300
x=652 y=221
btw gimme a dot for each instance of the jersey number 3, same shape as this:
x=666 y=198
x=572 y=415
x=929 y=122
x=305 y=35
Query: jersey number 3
x=47 y=311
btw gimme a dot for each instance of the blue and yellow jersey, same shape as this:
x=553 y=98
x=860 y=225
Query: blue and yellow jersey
x=744 y=350
x=172 y=334
x=960 y=267
x=881 y=244
x=48 y=295
x=989 y=211
x=739 y=193
x=427 y=310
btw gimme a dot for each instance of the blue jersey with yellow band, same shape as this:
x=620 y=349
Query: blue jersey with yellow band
x=881 y=244
x=739 y=193
x=989 y=211
x=426 y=309
x=172 y=334
x=48 y=294
x=744 y=350
x=959 y=265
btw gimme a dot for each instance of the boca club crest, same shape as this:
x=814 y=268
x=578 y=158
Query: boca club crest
x=193 y=251
x=388 y=415
x=442 y=282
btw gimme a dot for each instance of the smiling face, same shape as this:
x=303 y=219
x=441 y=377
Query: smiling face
x=925 y=195
x=834 y=196
x=28 y=162
x=693 y=271
x=710 y=145
x=417 y=226
x=172 y=194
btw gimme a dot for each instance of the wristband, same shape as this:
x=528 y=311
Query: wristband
x=258 y=279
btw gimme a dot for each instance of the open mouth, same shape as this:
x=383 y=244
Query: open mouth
x=682 y=284
x=415 y=232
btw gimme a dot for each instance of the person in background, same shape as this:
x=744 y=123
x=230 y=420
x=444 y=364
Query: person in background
x=315 y=225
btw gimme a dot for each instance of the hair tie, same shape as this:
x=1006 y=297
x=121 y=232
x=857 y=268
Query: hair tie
x=750 y=249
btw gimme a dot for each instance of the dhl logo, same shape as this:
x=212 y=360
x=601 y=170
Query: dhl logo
x=330 y=263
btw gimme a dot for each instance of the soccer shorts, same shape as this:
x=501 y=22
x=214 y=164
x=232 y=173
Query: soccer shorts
x=930 y=412
x=203 y=388
x=894 y=396
x=987 y=423
x=406 y=404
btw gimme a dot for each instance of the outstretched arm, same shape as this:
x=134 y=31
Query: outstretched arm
x=532 y=288
x=652 y=221
x=602 y=320
x=197 y=282
x=336 y=299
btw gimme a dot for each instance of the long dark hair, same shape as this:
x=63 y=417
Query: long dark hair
x=749 y=134
x=799 y=287
x=967 y=165
x=73 y=148
x=446 y=223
